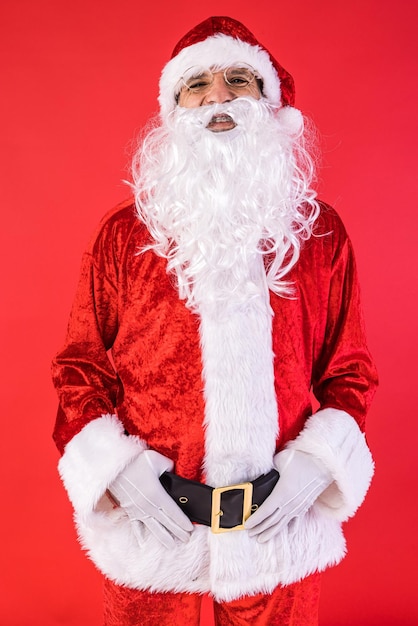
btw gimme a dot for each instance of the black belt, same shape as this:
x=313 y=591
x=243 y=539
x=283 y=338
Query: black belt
x=221 y=508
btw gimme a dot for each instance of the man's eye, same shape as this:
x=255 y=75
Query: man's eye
x=197 y=83
x=238 y=80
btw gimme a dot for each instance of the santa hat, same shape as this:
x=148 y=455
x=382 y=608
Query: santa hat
x=222 y=41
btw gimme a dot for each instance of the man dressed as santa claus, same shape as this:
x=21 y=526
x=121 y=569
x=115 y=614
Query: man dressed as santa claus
x=212 y=310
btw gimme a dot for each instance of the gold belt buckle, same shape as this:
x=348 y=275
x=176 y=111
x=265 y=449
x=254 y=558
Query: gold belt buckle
x=217 y=511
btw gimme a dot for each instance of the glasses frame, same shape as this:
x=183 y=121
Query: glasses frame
x=203 y=70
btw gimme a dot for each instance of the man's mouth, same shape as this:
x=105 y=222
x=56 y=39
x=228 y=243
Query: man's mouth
x=221 y=122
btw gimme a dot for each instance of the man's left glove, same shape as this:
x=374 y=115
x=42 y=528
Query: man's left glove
x=139 y=492
x=302 y=480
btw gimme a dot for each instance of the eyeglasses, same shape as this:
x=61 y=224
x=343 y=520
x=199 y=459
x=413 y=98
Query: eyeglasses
x=198 y=79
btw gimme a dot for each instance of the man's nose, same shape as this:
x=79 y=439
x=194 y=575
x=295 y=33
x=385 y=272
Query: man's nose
x=219 y=91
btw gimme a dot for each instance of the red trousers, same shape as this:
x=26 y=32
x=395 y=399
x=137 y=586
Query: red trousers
x=294 y=605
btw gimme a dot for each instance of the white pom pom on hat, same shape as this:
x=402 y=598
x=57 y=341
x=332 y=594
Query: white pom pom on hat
x=291 y=119
x=220 y=41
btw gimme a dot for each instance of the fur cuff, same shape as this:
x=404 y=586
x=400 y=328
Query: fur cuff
x=334 y=438
x=93 y=459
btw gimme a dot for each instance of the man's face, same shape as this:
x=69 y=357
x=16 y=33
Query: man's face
x=203 y=87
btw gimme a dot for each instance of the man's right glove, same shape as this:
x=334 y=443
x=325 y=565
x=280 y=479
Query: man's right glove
x=139 y=492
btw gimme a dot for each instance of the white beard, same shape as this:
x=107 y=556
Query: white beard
x=217 y=203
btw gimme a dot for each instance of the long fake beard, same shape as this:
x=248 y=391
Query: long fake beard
x=218 y=204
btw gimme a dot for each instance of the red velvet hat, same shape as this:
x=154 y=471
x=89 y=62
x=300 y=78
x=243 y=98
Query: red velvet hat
x=220 y=41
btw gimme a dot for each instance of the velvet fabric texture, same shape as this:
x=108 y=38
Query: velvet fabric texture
x=294 y=605
x=126 y=303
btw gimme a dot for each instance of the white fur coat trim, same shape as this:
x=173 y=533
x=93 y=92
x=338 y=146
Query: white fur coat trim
x=93 y=459
x=203 y=565
x=333 y=437
x=241 y=414
x=90 y=463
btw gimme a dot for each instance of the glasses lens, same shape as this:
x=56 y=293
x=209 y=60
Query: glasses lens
x=197 y=79
x=239 y=77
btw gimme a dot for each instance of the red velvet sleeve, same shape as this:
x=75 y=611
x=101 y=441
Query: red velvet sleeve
x=344 y=375
x=82 y=372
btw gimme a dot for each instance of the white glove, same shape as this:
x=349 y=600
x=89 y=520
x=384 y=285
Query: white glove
x=302 y=480
x=139 y=492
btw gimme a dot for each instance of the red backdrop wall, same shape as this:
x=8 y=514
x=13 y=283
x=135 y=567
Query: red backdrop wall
x=78 y=80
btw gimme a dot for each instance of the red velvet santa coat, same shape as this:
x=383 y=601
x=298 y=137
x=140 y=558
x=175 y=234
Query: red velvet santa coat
x=161 y=394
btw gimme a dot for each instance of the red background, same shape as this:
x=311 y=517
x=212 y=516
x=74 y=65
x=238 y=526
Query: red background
x=78 y=80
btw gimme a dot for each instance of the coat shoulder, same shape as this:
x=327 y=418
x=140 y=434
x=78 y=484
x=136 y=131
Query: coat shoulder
x=329 y=236
x=329 y=221
x=117 y=229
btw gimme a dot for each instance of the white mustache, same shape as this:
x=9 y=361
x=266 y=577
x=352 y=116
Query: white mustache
x=237 y=111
